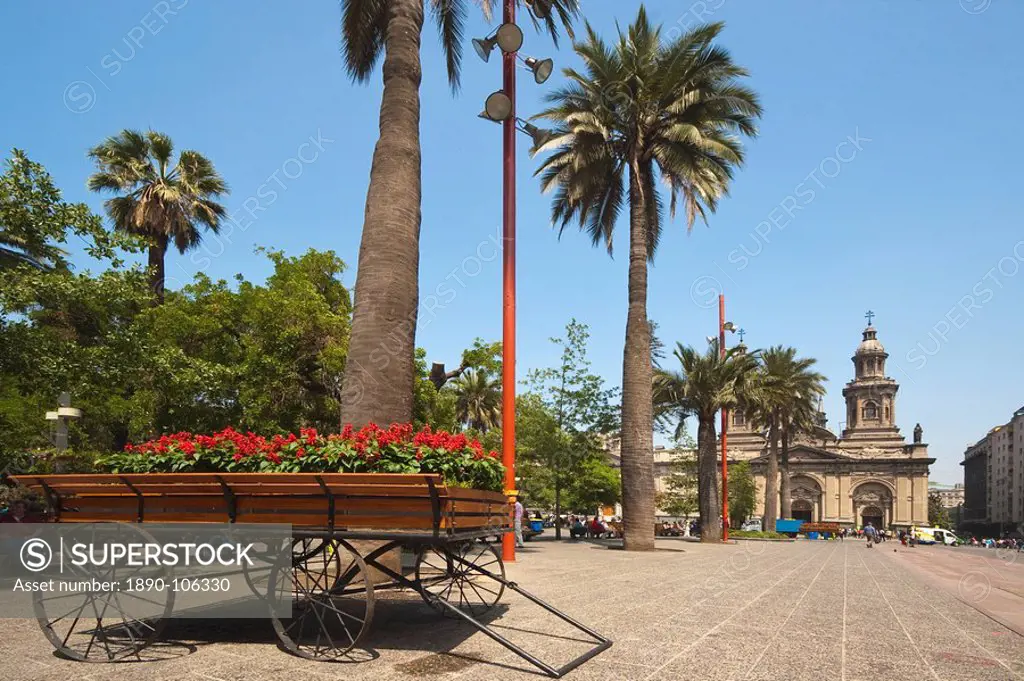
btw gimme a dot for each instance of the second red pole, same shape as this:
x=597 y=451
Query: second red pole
x=725 y=421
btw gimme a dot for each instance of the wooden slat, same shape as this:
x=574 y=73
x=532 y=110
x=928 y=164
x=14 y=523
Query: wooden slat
x=477 y=494
x=361 y=501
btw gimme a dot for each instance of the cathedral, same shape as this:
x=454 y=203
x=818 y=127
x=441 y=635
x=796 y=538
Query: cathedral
x=867 y=474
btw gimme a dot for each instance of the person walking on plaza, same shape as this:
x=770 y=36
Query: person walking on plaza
x=871 y=534
x=518 y=522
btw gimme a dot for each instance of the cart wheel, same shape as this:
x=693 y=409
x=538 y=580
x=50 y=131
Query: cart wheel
x=331 y=597
x=449 y=574
x=110 y=625
x=258 y=578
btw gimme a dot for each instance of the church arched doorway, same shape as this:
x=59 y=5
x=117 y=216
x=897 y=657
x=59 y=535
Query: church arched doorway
x=803 y=510
x=872 y=502
x=806 y=499
x=873 y=515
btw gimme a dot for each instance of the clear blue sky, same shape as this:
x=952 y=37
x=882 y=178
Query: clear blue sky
x=925 y=212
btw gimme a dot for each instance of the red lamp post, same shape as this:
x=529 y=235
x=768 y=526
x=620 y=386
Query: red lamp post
x=500 y=107
x=508 y=335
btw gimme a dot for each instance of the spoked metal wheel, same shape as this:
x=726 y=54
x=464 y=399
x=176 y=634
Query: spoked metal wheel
x=258 y=577
x=112 y=623
x=450 y=574
x=331 y=596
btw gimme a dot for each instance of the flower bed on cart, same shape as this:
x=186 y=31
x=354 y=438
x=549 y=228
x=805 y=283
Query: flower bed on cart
x=397 y=449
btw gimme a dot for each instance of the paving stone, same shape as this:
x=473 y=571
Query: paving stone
x=804 y=611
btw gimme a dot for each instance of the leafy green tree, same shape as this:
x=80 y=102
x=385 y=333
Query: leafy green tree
x=595 y=483
x=938 y=515
x=646 y=112
x=35 y=220
x=581 y=407
x=537 y=436
x=379 y=386
x=156 y=197
x=680 y=495
x=705 y=384
x=742 y=493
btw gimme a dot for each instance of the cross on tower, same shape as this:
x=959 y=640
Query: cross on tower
x=870 y=315
x=741 y=333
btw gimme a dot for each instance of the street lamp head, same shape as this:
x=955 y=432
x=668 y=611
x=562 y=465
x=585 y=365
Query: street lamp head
x=508 y=37
x=484 y=47
x=729 y=326
x=498 y=107
x=540 y=136
x=541 y=68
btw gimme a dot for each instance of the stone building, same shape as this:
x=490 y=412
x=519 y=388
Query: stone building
x=994 y=479
x=949 y=497
x=868 y=473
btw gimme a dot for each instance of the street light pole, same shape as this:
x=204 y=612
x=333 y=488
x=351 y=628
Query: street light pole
x=725 y=461
x=508 y=337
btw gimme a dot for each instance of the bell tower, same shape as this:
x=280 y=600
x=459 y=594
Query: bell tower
x=871 y=396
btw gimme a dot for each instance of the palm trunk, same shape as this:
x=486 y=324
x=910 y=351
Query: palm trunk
x=785 y=493
x=637 y=374
x=378 y=384
x=771 y=483
x=708 y=501
x=157 y=254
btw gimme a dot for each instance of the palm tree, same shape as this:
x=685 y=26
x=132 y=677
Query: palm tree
x=705 y=384
x=157 y=198
x=645 y=109
x=779 y=400
x=382 y=346
x=478 y=400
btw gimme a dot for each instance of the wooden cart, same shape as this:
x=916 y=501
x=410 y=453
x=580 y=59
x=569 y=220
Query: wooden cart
x=343 y=528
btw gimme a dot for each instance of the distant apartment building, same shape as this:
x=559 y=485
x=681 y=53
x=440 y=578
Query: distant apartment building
x=950 y=496
x=994 y=477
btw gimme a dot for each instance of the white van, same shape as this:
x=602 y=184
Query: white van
x=934 y=535
x=752 y=525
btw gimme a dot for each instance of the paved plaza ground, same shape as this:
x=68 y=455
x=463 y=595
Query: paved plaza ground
x=751 y=610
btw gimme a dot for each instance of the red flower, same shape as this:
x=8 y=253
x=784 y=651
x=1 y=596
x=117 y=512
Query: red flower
x=299 y=453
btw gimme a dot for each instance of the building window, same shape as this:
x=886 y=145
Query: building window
x=870 y=410
x=738 y=419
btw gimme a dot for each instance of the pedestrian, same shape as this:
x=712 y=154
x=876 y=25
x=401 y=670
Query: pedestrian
x=518 y=521
x=871 y=534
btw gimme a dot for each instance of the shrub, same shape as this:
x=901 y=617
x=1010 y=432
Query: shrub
x=750 y=534
x=398 y=449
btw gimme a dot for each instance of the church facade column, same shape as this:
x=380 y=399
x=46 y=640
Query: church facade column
x=902 y=504
x=847 y=511
x=920 y=507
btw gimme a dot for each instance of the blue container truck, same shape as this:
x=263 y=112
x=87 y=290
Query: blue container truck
x=786 y=526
